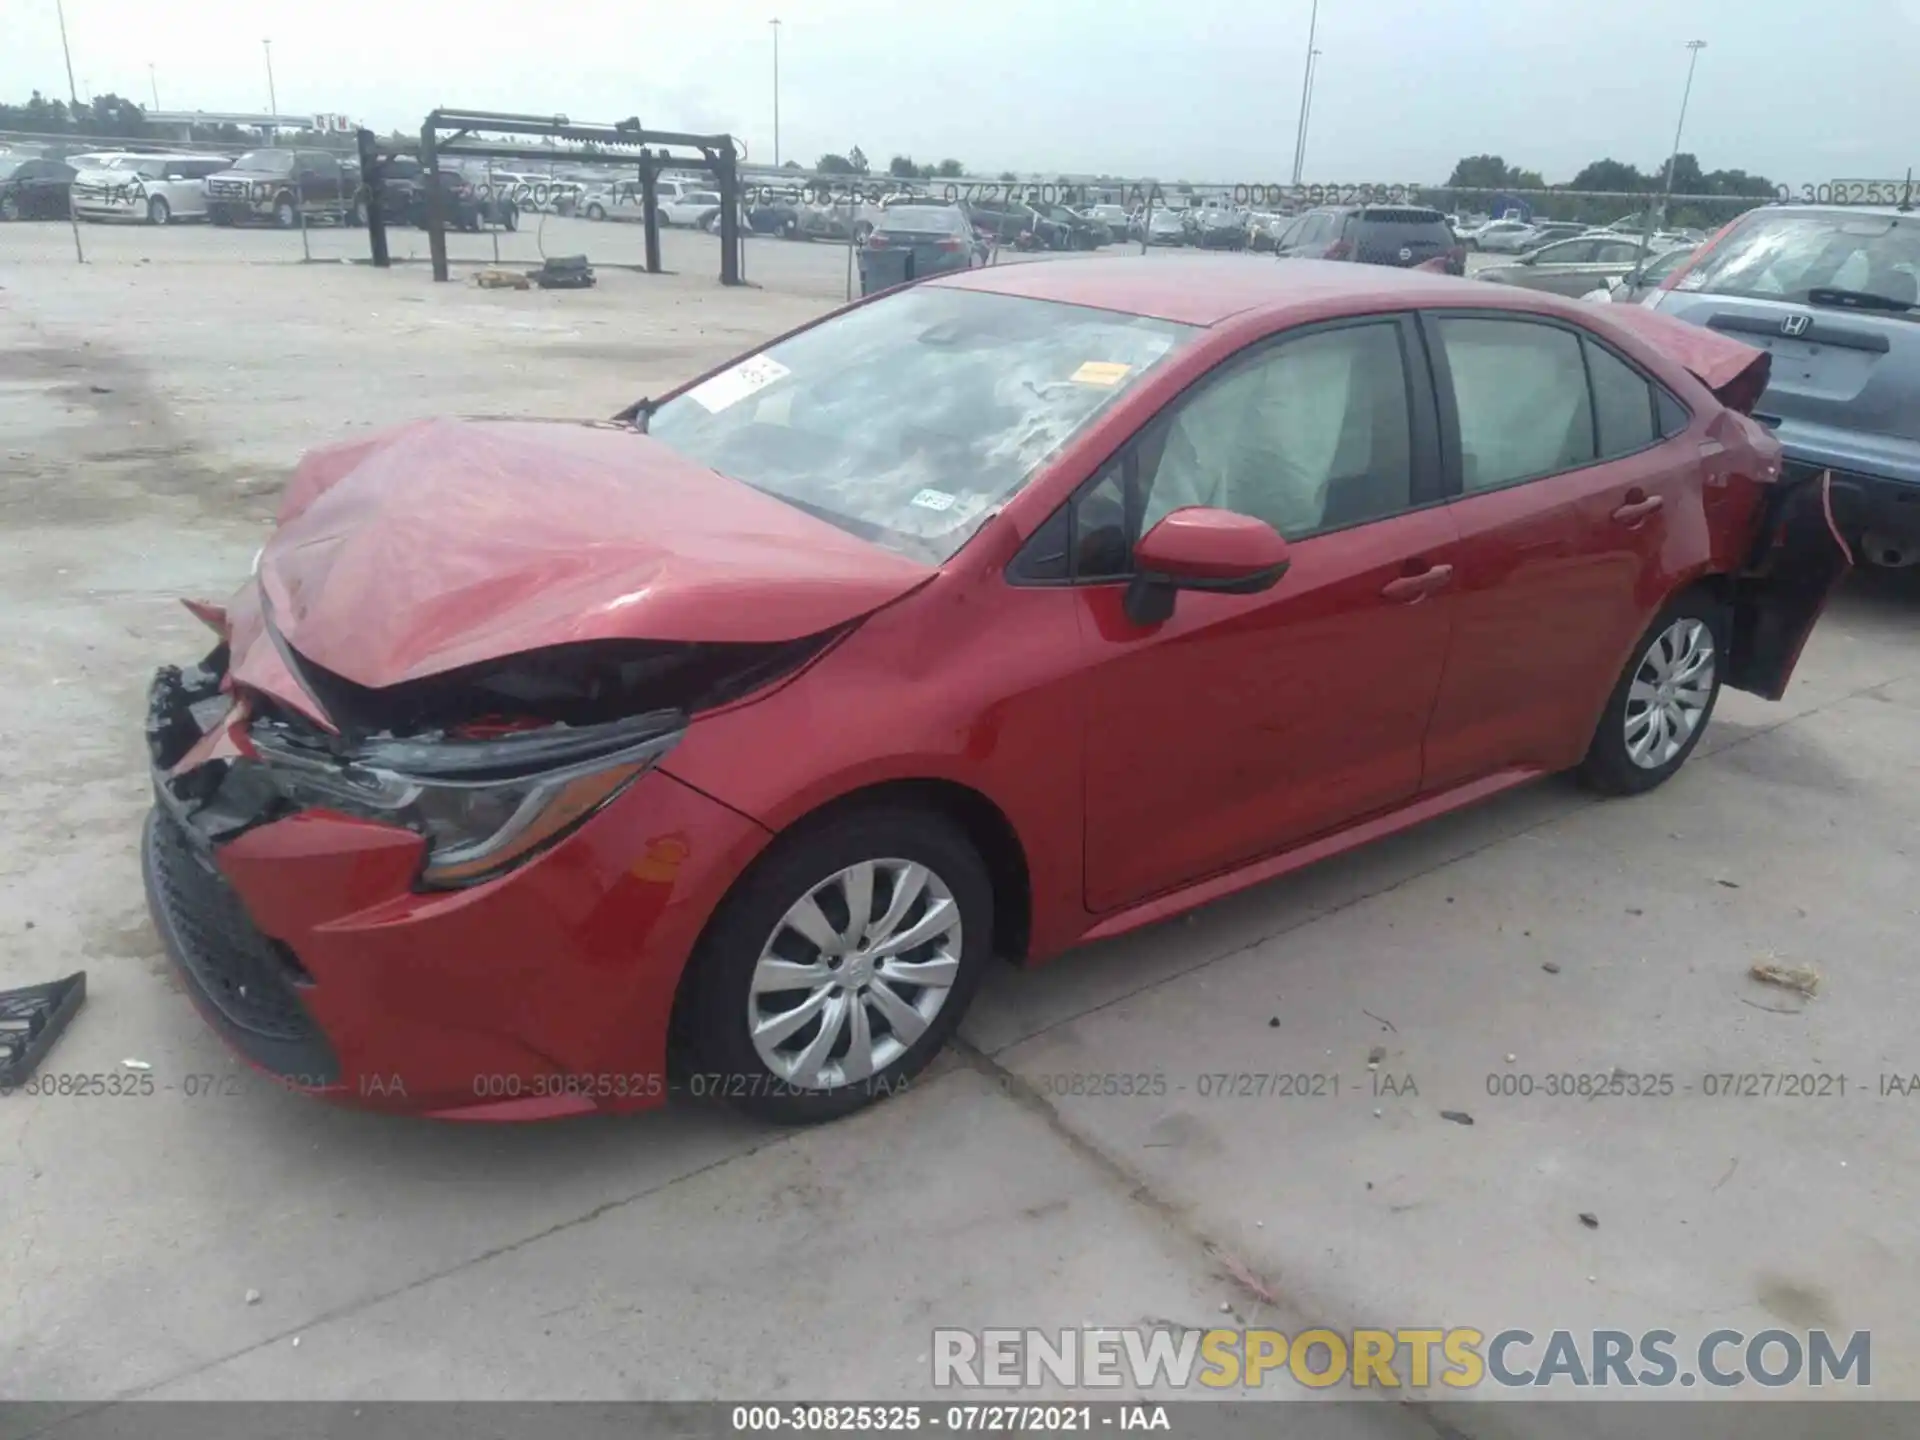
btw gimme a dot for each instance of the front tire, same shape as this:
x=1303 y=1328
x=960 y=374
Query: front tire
x=1663 y=701
x=285 y=215
x=595 y=212
x=158 y=211
x=840 y=964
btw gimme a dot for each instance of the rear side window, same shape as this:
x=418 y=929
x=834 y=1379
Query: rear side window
x=1520 y=396
x=1623 y=404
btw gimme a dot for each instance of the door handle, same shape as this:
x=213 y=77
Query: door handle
x=1409 y=588
x=1639 y=506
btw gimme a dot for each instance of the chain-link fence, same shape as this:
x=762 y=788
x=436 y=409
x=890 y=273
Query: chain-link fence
x=118 y=200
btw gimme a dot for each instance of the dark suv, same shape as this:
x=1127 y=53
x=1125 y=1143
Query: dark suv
x=281 y=186
x=1400 y=235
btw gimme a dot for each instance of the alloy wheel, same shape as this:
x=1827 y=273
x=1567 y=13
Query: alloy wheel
x=1671 y=689
x=854 y=973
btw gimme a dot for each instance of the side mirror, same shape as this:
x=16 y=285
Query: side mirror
x=1198 y=548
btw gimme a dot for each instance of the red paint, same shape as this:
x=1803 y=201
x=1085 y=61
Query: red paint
x=1397 y=670
x=473 y=997
x=451 y=542
x=1201 y=544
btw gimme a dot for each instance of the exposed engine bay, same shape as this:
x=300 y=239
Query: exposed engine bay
x=487 y=763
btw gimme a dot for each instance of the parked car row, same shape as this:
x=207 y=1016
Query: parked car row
x=276 y=185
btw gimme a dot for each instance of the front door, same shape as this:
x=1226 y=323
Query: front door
x=1244 y=724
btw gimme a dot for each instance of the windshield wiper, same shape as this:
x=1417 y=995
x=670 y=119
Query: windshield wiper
x=1855 y=299
x=638 y=414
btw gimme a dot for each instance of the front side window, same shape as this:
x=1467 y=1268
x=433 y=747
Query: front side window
x=1565 y=252
x=911 y=420
x=1520 y=396
x=1664 y=266
x=1309 y=435
x=1618 y=252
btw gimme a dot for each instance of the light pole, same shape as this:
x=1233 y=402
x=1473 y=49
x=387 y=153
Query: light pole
x=73 y=94
x=1306 y=115
x=1694 y=47
x=1300 y=135
x=273 y=101
x=153 y=83
x=775 y=24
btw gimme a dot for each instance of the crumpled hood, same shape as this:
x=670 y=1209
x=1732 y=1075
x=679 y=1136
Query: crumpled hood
x=444 y=543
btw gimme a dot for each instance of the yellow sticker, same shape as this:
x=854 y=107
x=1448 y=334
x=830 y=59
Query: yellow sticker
x=1101 y=372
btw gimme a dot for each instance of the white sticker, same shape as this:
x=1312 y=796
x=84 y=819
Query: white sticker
x=732 y=386
x=933 y=500
x=1693 y=281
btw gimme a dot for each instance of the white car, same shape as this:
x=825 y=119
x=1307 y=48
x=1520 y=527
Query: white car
x=689 y=207
x=1503 y=237
x=620 y=200
x=153 y=189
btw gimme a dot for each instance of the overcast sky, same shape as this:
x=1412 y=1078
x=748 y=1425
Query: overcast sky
x=1195 y=89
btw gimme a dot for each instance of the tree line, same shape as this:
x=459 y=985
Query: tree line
x=1476 y=179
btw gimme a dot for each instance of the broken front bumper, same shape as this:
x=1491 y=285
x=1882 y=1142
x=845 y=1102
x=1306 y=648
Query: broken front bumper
x=303 y=939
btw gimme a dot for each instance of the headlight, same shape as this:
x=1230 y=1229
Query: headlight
x=483 y=806
x=261 y=189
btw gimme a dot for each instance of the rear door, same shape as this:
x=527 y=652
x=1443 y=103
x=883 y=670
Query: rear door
x=1576 y=491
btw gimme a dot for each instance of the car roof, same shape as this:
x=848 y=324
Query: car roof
x=1206 y=289
x=1888 y=212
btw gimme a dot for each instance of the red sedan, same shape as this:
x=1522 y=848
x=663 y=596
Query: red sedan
x=995 y=614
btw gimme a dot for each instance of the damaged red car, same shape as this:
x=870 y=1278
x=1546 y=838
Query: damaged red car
x=544 y=768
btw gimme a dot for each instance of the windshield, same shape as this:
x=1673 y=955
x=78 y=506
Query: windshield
x=1787 y=256
x=909 y=421
x=924 y=217
x=1166 y=220
x=7 y=167
x=270 y=162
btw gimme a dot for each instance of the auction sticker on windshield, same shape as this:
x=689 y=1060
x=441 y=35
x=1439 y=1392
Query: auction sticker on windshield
x=1101 y=372
x=733 y=385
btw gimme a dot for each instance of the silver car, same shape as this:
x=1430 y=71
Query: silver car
x=1642 y=280
x=1570 y=267
x=1833 y=296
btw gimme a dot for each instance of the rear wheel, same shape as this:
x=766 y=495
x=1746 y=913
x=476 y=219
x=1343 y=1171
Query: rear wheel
x=1660 y=707
x=840 y=964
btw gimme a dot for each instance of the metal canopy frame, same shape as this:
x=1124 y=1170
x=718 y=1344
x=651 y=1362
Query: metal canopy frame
x=464 y=134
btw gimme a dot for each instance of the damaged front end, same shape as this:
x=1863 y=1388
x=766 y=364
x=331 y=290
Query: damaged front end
x=488 y=765
x=348 y=880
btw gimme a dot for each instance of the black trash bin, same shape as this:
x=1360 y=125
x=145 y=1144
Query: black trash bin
x=883 y=269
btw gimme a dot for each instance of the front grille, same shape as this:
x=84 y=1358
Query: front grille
x=248 y=977
x=228 y=189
